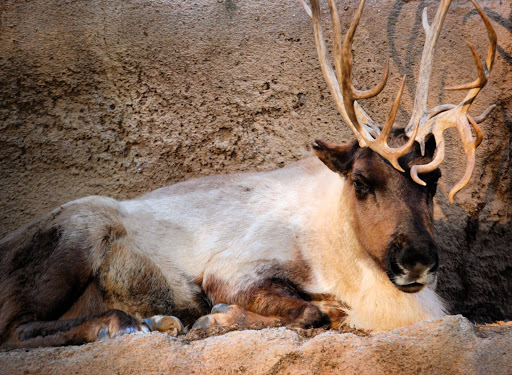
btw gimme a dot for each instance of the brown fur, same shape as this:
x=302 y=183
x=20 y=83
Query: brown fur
x=275 y=291
x=270 y=296
x=71 y=331
x=39 y=276
x=68 y=267
x=333 y=314
x=132 y=283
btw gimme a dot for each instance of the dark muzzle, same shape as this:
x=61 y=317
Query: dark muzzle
x=412 y=264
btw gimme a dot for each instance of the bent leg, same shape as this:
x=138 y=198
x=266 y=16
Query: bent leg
x=110 y=324
x=228 y=315
x=76 y=331
x=272 y=298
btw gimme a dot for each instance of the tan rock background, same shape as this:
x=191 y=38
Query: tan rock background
x=119 y=97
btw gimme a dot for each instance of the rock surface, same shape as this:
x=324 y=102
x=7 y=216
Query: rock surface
x=119 y=97
x=450 y=346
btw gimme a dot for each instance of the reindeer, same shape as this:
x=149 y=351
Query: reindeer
x=341 y=238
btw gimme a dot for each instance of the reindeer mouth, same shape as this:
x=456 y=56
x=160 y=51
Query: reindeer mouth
x=408 y=283
x=410 y=288
x=413 y=280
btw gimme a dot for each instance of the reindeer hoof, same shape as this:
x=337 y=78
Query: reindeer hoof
x=221 y=308
x=108 y=333
x=165 y=324
x=203 y=322
x=114 y=323
x=103 y=333
x=221 y=315
x=310 y=317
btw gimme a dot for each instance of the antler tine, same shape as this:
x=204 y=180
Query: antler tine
x=491 y=53
x=362 y=116
x=478 y=131
x=432 y=33
x=344 y=58
x=434 y=164
x=393 y=154
x=480 y=81
x=306 y=8
x=343 y=64
x=469 y=148
x=392 y=113
x=485 y=114
x=483 y=72
x=330 y=78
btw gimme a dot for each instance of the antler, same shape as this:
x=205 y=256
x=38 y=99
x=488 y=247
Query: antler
x=441 y=118
x=345 y=98
x=422 y=122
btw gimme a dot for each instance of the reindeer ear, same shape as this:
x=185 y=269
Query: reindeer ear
x=339 y=158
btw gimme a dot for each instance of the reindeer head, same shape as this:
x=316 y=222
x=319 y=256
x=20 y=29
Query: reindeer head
x=393 y=178
x=391 y=214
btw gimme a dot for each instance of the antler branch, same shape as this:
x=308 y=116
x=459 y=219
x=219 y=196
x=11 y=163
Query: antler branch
x=365 y=123
x=435 y=122
x=347 y=95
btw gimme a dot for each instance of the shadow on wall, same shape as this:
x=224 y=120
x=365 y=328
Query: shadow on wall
x=476 y=273
x=414 y=49
x=476 y=276
x=500 y=20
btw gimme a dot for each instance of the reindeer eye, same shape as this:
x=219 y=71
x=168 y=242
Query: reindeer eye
x=361 y=188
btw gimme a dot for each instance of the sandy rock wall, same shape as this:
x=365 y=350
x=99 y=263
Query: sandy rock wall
x=121 y=97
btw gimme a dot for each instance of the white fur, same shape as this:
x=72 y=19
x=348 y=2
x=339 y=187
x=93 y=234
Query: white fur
x=228 y=226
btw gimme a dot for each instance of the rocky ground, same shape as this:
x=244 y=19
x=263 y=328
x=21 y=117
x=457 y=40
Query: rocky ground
x=452 y=345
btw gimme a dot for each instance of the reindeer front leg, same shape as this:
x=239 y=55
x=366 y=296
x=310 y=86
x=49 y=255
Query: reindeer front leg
x=266 y=302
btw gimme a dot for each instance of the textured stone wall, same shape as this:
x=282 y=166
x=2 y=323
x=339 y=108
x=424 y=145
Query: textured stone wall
x=120 y=97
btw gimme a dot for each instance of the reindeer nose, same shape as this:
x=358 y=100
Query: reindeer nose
x=415 y=263
x=411 y=268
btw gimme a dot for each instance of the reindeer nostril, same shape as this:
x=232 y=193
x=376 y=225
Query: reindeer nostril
x=417 y=260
